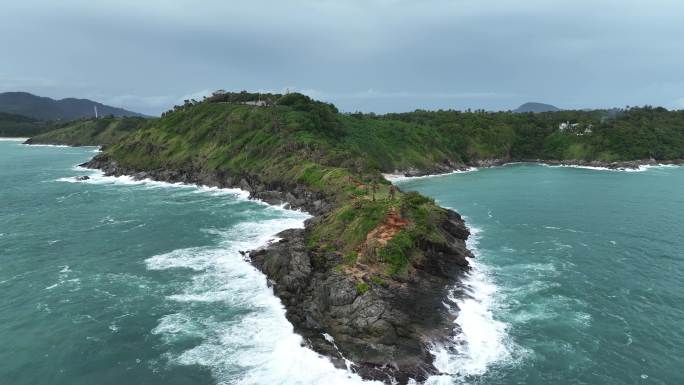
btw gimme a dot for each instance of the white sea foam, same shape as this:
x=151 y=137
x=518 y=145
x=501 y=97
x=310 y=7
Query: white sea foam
x=13 y=139
x=482 y=340
x=63 y=278
x=97 y=177
x=257 y=347
x=640 y=168
x=401 y=177
x=48 y=145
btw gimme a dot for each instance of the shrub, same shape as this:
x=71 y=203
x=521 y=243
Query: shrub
x=397 y=252
x=362 y=287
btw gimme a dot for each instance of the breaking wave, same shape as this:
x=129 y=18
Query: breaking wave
x=401 y=177
x=257 y=345
x=98 y=177
x=641 y=168
x=481 y=340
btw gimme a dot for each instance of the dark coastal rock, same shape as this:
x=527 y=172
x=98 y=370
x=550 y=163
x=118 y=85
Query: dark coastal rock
x=450 y=166
x=270 y=197
x=293 y=195
x=387 y=330
x=140 y=175
x=82 y=178
x=435 y=169
x=484 y=163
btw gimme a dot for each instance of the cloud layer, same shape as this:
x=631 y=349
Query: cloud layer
x=369 y=55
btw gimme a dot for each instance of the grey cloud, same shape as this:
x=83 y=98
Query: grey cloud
x=411 y=54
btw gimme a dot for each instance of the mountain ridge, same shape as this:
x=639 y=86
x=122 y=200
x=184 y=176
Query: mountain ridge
x=536 y=107
x=48 y=109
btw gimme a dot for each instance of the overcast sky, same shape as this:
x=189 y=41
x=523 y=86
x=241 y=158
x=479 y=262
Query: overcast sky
x=367 y=55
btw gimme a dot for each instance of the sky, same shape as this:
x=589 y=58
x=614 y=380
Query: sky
x=362 y=55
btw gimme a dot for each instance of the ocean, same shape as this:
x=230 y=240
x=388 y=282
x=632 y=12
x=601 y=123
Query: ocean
x=577 y=278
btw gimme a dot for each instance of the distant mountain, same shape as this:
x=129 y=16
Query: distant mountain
x=43 y=108
x=536 y=107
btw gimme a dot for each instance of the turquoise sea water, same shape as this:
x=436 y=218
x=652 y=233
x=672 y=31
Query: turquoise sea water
x=579 y=277
x=109 y=281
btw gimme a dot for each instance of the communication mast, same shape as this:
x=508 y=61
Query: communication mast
x=95 y=107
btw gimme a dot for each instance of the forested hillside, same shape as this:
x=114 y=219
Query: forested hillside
x=12 y=125
x=89 y=132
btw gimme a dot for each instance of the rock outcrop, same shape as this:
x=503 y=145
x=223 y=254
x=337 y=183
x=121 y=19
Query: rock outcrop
x=386 y=331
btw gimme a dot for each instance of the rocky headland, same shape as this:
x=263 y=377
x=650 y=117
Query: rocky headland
x=382 y=326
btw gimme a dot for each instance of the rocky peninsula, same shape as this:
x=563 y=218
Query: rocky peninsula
x=381 y=325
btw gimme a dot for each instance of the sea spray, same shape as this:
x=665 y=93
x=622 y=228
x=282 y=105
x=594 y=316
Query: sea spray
x=640 y=168
x=98 y=177
x=481 y=340
x=261 y=344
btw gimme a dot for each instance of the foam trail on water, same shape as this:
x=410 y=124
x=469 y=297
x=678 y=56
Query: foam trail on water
x=258 y=344
x=482 y=341
x=13 y=139
x=400 y=177
x=48 y=145
x=641 y=168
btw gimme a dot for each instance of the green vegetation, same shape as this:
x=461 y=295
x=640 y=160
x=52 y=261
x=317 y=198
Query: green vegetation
x=362 y=287
x=426 y=137
x=351 y=257
x=12 y=125
x=398 y=252
x=90 y=132
x=292 y=140
x=378 y=281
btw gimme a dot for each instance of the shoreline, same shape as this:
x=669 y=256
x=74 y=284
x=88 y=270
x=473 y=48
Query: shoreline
x=624 y=166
